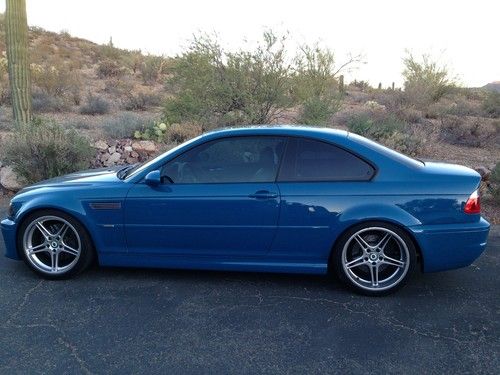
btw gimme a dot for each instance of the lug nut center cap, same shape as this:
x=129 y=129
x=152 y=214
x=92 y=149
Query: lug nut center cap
x=54 y=244
x=373 y=256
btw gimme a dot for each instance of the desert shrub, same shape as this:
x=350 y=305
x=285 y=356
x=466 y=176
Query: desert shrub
x=465 y=131
x=219 y=87
x=109 y=69
x=94 y=105
x=386 y=129
x=315 y=85
x=124 y=125
x=409 y=115
x=43 y=102
x=43 y=150
x=491 y=104
x=151 y=68
x=55 y=80
x=179 y=133
x=251 y=86
x=140 y=101
x=360 y=85
x=495 y=183
x=426 y=81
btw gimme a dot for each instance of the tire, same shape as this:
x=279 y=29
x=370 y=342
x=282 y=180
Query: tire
x=374 y=258
x=54 y=245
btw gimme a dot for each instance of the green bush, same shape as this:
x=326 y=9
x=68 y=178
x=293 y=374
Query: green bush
x=426 y=81
x=124 y=125
x=491 y=104
x=95 y=105
x=318 y=110
x=43 y=150
x=151 y=68
x=386 y=129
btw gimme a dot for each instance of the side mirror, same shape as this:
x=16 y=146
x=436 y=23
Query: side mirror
x=153 y=178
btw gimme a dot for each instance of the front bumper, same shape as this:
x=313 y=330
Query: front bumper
x=9 y=237
x=449 y=246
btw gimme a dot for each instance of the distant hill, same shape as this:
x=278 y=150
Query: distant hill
x=493 y=86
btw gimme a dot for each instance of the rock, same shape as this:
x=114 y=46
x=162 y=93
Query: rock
x=484 y=172
x=127 y=148
x=144 y=147
x=104 y=157
x=101 y=145
x=134 y=154
x=131 y=160
x=112 y=150
x=114 y=158
x=9 y=179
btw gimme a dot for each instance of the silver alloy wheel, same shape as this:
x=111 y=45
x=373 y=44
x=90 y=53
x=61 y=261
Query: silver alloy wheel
x=51 y=244
x=375 y=258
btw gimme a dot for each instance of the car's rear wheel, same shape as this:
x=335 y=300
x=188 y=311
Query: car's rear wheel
x=54 y=245
x=374 y=258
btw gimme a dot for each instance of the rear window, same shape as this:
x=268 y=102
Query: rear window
x=311 y=160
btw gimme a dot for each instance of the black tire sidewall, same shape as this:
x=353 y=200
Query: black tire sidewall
x=87 y=251
x=340 y=273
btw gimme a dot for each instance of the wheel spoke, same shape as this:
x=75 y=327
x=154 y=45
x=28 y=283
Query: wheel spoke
x=69 y=250
x=43 y=230
x=374 y=275
x=54 y=260
x=355 y=263
x=62 y=231
x=360 y=240
x=393 y=262
x=37 y=249
x=383 y=242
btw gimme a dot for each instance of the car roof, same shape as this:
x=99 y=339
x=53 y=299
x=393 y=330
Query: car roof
x=297 y=130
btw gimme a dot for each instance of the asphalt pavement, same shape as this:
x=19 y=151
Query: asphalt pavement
x=191 y=322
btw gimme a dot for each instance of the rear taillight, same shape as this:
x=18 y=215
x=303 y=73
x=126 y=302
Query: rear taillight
x=473 y=204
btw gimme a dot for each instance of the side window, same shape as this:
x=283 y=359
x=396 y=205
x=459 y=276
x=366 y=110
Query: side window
x=227 y=160
x=310 y=160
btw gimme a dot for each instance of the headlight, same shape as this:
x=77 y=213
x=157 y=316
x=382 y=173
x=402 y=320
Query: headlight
x=13 y=208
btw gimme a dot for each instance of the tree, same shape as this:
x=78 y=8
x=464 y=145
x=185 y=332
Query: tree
x=425 y=80
x=17 y=59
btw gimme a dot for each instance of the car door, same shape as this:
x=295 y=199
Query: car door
x=219 y=198
x=317 y=181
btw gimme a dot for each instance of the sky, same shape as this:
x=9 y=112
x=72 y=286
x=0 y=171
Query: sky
x=460 y=34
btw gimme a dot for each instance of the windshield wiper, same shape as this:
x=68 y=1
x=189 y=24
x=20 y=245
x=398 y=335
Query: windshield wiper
x=122 y=173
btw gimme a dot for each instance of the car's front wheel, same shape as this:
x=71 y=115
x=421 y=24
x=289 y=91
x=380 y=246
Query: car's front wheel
x=54 y=245
x=374 y=258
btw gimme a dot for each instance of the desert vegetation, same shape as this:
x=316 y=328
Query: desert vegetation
x=86 y=94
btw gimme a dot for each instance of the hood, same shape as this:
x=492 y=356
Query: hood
x=87 y=177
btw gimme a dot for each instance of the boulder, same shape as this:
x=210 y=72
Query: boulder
x=9 y=180
x=144 y=147
x=127 y=148
x=101 y=145
x=114 y=158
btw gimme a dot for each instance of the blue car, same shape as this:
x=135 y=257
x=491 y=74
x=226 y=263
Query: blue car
x=262 y=199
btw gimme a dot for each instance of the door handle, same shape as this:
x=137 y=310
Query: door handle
x=263 y=194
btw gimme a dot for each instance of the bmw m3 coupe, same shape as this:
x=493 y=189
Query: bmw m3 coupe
x=262 y=199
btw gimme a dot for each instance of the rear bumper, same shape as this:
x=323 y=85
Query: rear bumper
x=9 y=237
x=450 y=246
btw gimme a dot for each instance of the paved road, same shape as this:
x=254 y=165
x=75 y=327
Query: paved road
x=144 y=321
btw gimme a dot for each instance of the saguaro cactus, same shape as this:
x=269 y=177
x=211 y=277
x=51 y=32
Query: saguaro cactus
x=17 y=59
x=341 y=84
